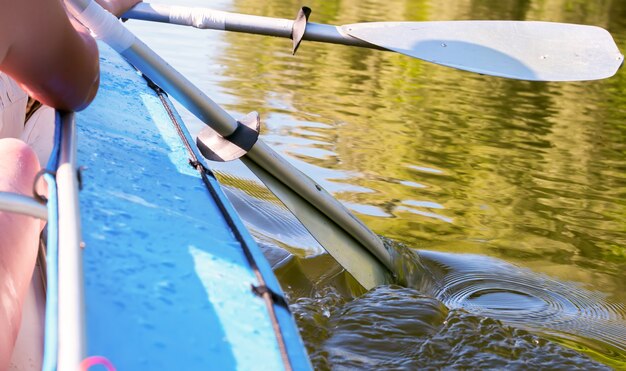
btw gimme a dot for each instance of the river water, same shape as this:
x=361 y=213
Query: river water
x=508 y=196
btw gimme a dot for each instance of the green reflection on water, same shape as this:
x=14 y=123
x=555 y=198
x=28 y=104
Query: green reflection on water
x=531 y=173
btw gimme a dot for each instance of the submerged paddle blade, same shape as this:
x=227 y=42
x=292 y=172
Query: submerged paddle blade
x=536 y=51
x=355 y=259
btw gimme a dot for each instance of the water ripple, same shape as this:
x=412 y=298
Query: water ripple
x=517 y=296
x=398 y=328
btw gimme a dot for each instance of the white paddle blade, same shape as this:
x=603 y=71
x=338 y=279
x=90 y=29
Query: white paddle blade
x=536 y=51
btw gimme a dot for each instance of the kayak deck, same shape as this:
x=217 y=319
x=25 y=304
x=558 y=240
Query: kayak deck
x=167 y=279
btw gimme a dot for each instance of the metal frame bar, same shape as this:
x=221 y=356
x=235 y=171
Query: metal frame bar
x=20 y=204
x=71 y=320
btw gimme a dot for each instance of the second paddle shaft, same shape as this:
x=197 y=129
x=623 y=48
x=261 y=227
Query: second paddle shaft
x=173 y=82
x=218 y=20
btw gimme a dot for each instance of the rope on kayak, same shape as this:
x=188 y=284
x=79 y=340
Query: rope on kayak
x=270 y=297
x=276 y=298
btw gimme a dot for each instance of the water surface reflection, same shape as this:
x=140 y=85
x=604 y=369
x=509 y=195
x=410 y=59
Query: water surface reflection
x=399 y=328
x=513 y=192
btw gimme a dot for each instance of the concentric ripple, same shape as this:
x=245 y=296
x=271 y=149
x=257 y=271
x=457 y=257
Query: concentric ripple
x=398 y=328
x=496 y=289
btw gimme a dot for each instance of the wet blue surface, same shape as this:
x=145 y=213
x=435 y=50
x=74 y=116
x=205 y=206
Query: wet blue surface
x=167 y=284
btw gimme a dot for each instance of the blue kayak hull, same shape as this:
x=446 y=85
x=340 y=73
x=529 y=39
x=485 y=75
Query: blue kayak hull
x=168 y=265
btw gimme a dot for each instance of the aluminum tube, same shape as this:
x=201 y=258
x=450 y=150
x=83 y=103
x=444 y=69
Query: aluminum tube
x=250 y=24
x=20 y=204
x=304 y=186
x=175 y=84
x=258 y=25
x=71 y=307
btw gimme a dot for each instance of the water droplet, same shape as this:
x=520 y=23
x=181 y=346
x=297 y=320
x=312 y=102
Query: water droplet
x=544 y=57
x=444 y=45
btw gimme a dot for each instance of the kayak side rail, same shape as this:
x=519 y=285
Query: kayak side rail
x=20 y=204
x=71 y=313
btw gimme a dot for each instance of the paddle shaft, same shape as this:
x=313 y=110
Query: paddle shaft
x=218 y=20
x=173 y=82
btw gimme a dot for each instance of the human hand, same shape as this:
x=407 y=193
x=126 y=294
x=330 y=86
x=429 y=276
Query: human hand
x=118 y=7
